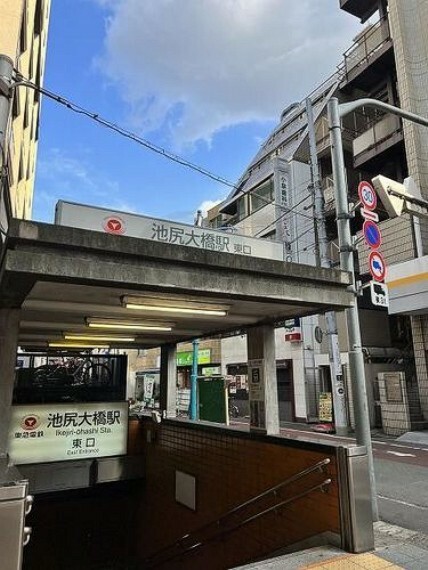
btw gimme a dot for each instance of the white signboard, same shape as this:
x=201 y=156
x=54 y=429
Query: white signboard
x=379 y=294
x=164 y=231
x=41 y=433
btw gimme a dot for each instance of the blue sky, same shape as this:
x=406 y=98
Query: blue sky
x=206 y=79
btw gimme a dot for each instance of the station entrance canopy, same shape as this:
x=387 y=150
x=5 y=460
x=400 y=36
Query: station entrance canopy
x=73 y=280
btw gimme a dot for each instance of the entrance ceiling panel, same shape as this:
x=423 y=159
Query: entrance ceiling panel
x=66 y=278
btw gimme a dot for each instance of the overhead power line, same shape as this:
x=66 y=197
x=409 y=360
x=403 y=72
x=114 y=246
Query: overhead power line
x=124 y=132
x=76 y=108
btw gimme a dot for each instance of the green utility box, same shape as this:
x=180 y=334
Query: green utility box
x=212 y=399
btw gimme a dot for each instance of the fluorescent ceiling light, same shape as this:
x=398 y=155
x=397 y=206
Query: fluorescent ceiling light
x=96 y=338
x=77 y=345
x=170 y=306
x=186 y=310
x=127 y=325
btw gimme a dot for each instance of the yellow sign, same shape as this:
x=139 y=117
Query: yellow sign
x=325 y=411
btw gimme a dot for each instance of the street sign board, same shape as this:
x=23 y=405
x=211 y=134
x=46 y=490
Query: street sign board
x=367 y=195
x=379 y=294
x=368 y=215
x=372 y=234
x=377 y=266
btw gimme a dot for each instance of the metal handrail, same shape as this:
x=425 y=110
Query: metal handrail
x=151 y=562
x=361 y=43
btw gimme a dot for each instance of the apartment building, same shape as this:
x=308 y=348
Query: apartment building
x=386 y=61
x=23 y=37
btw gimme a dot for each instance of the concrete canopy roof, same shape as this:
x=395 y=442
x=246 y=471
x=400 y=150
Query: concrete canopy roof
x=62 y=276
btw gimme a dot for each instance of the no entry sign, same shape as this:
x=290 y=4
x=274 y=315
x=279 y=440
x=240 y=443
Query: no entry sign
x=367 y=195
x=372 y=234
x=377 y=266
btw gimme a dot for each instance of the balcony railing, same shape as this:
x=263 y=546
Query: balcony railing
x=365 y=46
x=378 y=132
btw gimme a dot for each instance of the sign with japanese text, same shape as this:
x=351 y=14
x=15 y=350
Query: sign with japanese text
x=325 y=407
x=164 y=231
x=42 y=433
x=186 y=358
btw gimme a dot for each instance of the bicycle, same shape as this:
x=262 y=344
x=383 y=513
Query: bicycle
x=73 y=371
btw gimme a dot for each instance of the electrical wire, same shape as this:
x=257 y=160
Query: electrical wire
x=287 y=211
x=142 y=141
x=124 y=132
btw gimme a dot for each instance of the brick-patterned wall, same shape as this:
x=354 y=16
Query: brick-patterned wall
x=420 y=348
x=397 y=243
x=230 y=467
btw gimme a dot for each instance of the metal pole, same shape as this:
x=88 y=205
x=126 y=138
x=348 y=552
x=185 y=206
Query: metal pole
x=6 y=71
x=356 y=358
x=193 y=381
x=337 y=386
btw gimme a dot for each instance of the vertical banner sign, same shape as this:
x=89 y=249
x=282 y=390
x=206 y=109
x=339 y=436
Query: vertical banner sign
x=282 y=191
x=256 y=381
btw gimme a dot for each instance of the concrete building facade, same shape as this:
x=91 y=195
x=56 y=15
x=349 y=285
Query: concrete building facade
x=386 y=61
x=23 y=37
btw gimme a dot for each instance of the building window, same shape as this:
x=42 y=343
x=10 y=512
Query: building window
x=38 y=17
x=270 y=235
x=241 y=210
x=23 y=32
x=261 y=195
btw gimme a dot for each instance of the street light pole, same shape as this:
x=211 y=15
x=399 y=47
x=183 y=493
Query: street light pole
x=346 y=246
x=356 y=359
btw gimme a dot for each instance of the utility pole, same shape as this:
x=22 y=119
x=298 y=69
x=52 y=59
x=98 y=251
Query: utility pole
x=346 y=248
x=337 y=385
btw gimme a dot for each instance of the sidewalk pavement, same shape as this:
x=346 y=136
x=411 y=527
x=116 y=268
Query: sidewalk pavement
x=395 y=547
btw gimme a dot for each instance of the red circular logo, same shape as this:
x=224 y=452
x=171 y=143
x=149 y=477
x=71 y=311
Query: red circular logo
x=114 y=225
x=31 y=422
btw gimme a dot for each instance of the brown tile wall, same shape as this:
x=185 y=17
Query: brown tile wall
x=230 y=467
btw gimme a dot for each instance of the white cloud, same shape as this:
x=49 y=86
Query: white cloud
x=207 y=205
x=197 y=66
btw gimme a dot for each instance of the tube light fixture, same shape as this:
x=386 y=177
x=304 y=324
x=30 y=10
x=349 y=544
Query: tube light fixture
x=77 y=345
x=185 y=310
x=96 y=338
x=166 y=306
x=127 y=325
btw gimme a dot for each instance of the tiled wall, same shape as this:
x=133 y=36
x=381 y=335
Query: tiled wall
x=420 y=347
x=230 y=467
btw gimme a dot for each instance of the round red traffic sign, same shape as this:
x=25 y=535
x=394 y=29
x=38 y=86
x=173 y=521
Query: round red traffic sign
x=377 y=266
x=367 y=195
x=372 y=234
